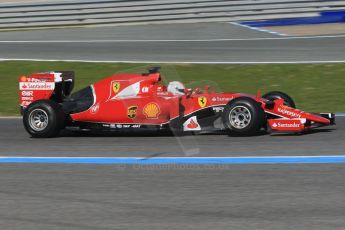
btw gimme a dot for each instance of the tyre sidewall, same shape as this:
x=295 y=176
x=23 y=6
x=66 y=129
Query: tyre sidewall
x=257 y=116
x=280 y=95
x=55 y=118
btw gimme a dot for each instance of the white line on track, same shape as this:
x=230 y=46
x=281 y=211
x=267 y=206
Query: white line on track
x=258 y=29
x=174 y=40
x=174 y=62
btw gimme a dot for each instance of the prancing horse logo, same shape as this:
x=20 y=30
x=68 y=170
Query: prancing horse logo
x=116 y=86
x=202 y=101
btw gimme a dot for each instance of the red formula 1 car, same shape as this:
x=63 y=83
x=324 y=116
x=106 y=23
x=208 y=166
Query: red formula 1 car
x=141 y=101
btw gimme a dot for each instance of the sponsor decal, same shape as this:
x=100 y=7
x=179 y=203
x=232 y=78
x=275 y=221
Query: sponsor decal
x=132 y=111
x=23 y=78
x=202 y=101
x=32 y=79
x=27 y=93
x=284 y=111
x=116 y=86
x=163 y=93
x=221 y=99
x=25 y=103
x=218 y=109
x=191 y=124
x=121 y=126
x=286 y=125
x=27 y=98
x=151 y=110
x=145 y=89
x=94 y=109
x=42 y=78
x=36 y=85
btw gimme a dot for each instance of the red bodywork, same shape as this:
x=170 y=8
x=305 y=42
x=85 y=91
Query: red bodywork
x=35 y=87
x=142 y=99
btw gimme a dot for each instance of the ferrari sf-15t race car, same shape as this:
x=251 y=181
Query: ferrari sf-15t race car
x=142 y=101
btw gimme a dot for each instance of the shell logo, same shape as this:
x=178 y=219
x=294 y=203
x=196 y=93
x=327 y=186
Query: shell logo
x=116 y=86
x=151 y=110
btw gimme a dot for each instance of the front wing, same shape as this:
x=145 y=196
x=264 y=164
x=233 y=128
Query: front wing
x=299 y=124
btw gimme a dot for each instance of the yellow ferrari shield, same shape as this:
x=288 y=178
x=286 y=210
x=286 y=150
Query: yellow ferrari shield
x=116 y=86
x=202 y=101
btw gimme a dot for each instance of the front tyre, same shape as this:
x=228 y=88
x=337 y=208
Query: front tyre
x=243 y=116
x=44 y=119
x=288 y=101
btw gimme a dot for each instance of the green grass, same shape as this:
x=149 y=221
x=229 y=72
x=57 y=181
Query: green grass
x=314 y=87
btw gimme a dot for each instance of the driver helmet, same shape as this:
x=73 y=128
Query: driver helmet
x=176 y=88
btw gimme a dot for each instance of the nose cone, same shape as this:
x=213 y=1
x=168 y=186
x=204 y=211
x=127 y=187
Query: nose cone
x=317 y=118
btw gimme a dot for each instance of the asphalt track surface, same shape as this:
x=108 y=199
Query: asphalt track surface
x=75 y=197
x=275 y=196
x=208 y=42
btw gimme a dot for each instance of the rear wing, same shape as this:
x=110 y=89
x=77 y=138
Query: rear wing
x=55 y=85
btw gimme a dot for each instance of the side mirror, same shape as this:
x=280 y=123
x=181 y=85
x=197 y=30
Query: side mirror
x=207 y=88
x=155 y=69
x=188 y=92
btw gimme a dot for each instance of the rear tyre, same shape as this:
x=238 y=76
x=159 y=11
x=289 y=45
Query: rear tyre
x=288 y=101
x=44 y=119
x=243 y=116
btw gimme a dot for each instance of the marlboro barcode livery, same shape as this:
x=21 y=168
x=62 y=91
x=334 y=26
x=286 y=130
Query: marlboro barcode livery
x=142 y=101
